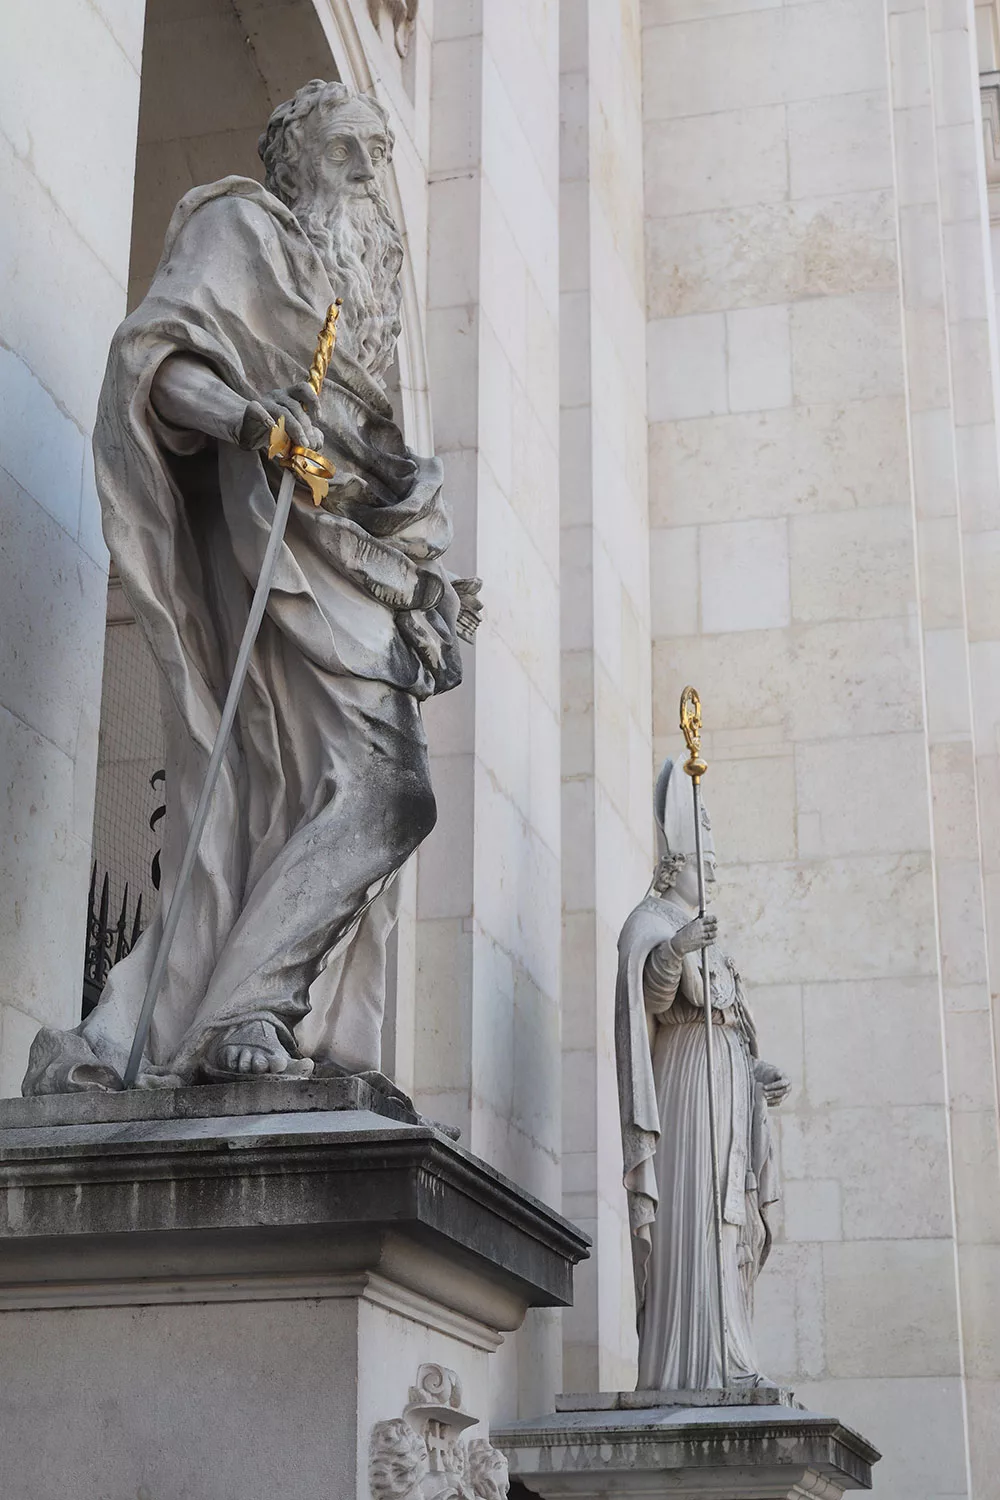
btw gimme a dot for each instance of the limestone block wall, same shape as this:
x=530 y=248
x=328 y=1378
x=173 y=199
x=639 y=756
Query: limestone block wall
x=823 y=474
x=69 y=94
x=606 y=750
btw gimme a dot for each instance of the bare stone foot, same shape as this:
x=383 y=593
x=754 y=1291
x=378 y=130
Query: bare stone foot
x=248 y=1051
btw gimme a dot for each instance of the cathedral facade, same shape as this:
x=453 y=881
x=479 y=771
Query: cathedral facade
x=699 y=310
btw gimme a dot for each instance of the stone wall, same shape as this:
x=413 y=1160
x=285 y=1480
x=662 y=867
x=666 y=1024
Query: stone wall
x=823 y=480
x=69 y=95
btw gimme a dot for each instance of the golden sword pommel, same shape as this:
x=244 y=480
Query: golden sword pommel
x=309 y=467
x=691 y=730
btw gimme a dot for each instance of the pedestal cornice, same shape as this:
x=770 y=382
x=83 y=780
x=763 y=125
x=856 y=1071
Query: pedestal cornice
x=703 y=1452
x=138 y=1196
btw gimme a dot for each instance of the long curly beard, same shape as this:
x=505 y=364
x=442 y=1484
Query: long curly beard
x=360 y=246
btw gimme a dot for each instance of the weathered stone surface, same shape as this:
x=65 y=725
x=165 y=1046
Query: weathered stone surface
x=260 y=1284
x=256 y=1096
x=734 y=1452
x=755 y=1395
x=124 y=1209
x=233 y=1303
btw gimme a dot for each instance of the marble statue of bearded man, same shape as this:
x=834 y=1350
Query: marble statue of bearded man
x=279 y=961
x=662 y=1054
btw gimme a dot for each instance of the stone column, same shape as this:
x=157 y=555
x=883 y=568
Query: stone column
x=953 y=382
x=606 y=750
x=487 y=931
x=69 y=96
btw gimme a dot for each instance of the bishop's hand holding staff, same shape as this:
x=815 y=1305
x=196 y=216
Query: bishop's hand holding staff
x=686 y=1339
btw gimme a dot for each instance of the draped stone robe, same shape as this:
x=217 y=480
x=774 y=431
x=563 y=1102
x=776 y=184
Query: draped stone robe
x=325 y=790
x=663 y=1088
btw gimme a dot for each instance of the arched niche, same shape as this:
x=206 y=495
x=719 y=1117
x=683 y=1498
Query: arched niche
x=212 y=71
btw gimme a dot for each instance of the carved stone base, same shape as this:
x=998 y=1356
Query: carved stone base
x=635 y=1443
x=297 y=1296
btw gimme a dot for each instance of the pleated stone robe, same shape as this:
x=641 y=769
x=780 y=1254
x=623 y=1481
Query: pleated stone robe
x=663 y=1086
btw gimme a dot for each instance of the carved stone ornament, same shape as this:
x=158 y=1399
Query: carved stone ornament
x=418 y=1456
x=402 y=16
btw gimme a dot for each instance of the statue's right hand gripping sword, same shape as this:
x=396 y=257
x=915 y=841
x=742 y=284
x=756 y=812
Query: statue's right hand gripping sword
x=696 y=767
x=304 y=464
x=313 y=470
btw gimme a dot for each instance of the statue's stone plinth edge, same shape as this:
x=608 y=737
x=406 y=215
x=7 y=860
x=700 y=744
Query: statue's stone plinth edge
x=145 y=1198
x=749 y=1395
x=256 y=1096
x=697 y=1451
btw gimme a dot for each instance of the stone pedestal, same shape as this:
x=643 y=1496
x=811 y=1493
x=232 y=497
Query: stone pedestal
x=243 y=1291
x=713 y=1445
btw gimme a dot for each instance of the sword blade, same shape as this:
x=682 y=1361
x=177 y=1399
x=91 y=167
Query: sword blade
x=222 y=737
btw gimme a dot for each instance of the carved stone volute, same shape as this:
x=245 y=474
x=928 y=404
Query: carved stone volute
x=418 y=1456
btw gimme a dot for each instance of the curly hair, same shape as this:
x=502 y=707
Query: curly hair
x=667 y=870
x=488 y=1471
x=397 y=1460
x=281 y=141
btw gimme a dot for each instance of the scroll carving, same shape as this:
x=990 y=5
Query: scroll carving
x=419 y=1456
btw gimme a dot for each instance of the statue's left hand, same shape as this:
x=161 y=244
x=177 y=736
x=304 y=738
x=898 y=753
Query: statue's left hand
x=776 y=1084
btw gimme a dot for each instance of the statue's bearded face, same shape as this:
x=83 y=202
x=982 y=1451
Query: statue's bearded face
x=348 y=151
x=339 y=201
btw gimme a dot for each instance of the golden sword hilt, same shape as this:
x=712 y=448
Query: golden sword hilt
x=691 y=730
x=308 y=466
x=325 y=347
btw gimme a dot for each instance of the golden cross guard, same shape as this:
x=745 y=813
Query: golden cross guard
x=305 y=463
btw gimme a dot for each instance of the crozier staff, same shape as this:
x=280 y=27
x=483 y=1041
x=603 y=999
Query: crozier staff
x=695 y=767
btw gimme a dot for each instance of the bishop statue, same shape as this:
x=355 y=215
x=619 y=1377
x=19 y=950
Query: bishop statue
x=663 y=1084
